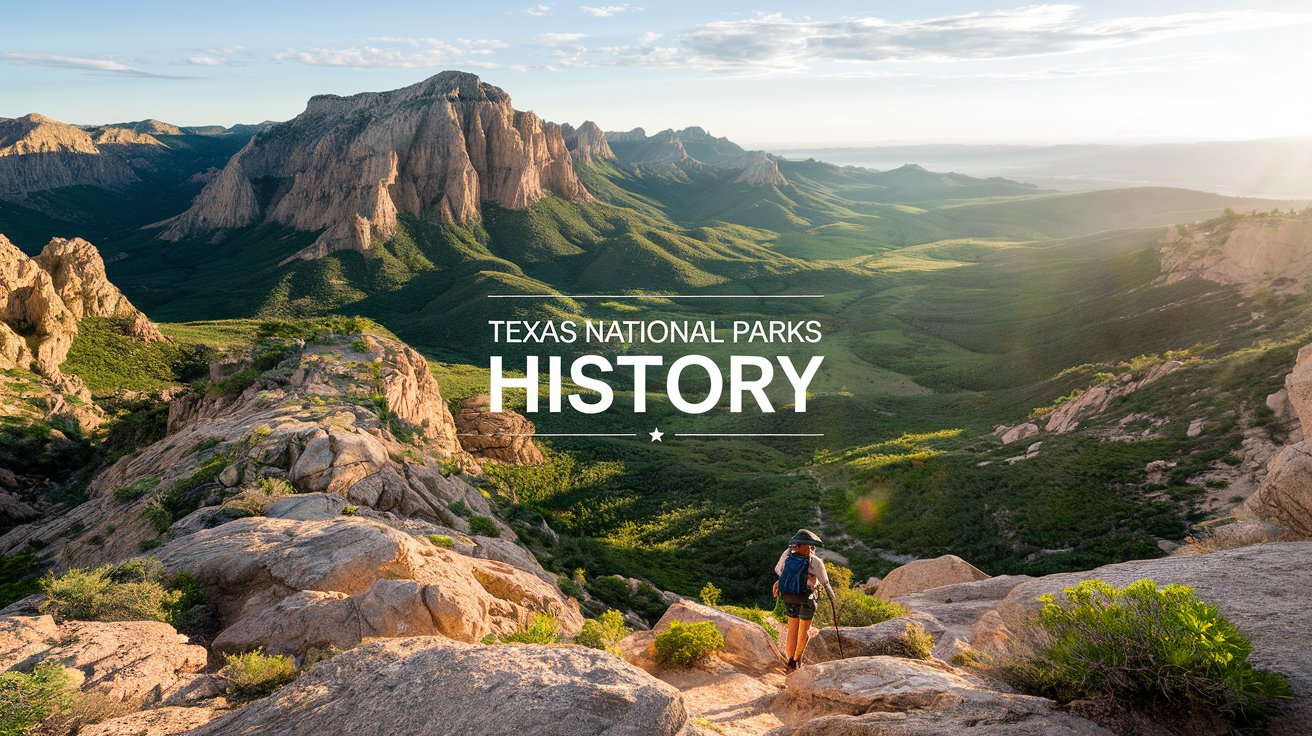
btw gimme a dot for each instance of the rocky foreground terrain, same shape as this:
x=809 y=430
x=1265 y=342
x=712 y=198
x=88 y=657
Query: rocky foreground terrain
x=326 y=500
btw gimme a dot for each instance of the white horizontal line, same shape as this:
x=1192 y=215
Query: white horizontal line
x=743 y=434
x=565 y=434
x=655 y=296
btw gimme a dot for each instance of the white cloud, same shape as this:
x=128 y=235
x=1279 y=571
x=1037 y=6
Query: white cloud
x=403 y=53
x=83 y=63
x=539 y=10
x=216 y=56
x=778 y=43
x=650 y=38
x=606 y=11
x=561 y=39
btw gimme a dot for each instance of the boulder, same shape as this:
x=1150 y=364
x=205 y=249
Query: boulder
x=747 y=647
x=1285 y=497
x=1020 y=432
x=1258 y=588
x=138 y=662
x=922 y=575
x=154 y=722
x=891 y=695
x=291 y=586
x=1004 y=715
x=889 y=638
x=498 y=437
x=429 y=684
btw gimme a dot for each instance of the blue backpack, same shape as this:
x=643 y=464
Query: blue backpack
x=793 y=580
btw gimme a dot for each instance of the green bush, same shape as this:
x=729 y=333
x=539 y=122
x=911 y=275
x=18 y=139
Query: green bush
x=856 y=608
x=915 y=643
x=460 y=508
x=256 y=674
x=19 y=575
x=686 y=644
x=603 y=632
x=136 y=489
x=569 y=587
x=136 y=590
x=710 y=595
x=483 y=526
x=441 y=540
x=542 y=630
x=1141 y=645
x=28 y=699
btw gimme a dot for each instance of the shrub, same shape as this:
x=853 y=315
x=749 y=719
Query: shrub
x=603 y=632
x=569 y=587
x=256 y=674
x=136 y=489
x=710 y=595
x=483 y=526
x=542 y=630
x=686 y=644
x=147 y=545
x=915 y=643
x=136 y=590
x=19 y=575
x=460 y=508
x=441 y=540
x=1140 y=645
x=28 y=699
x=350 y=510
x=856 y=608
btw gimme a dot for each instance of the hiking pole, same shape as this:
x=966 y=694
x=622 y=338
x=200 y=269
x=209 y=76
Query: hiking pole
x=837 y=632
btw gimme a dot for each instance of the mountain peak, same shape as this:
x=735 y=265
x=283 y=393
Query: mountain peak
x=760 y=168
x=587 y=142
x=349 y=166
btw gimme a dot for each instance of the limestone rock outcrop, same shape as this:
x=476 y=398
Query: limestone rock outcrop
x=498 y=437
x=37 y=153
x=922 y=575
x=1285 y=496
x=587 y=142
x=891 y=695
x=136 y=662
x=349 y=166
x=291 y=586
x=414 y=686
x=43 y=300
x=1253 y=252
x=164 y=721
x=357 y=416
x=760 y=168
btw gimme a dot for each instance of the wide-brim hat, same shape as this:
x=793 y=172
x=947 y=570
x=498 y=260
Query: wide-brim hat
x=807 y=537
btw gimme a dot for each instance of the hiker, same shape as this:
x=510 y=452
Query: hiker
x=799 y=573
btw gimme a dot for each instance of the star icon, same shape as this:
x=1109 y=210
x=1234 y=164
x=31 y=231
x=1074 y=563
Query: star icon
x=656 y=434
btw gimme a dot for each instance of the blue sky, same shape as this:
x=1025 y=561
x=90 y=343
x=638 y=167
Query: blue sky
x=764 y=74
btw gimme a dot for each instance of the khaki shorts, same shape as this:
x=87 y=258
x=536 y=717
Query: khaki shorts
x=804 y=610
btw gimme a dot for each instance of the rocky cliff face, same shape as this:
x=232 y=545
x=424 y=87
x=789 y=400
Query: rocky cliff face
x=348 y=166
x=43 y=299
x=760 y=168
x=37 y=153
x=1254 y=252
x=587 y=142
x=1285 y=496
